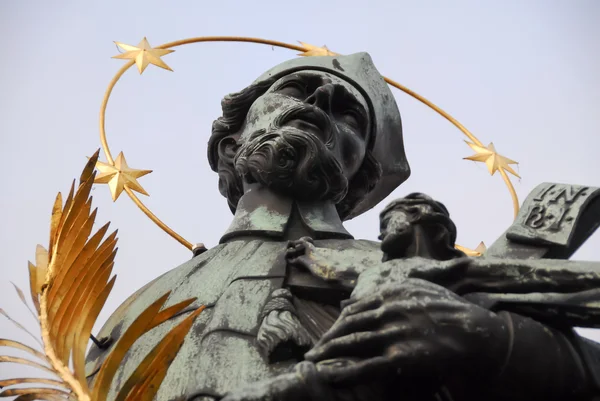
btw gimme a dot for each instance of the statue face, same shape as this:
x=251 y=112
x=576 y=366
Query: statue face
x=305 y=136
x=396 y=229
x=318 y=103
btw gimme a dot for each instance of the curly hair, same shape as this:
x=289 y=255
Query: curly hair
x=420 y=209
x=225 y=130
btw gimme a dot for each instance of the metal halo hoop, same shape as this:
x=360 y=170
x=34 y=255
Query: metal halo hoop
x=308 y=50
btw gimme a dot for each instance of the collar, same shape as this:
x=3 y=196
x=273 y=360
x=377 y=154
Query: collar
x=261 y=212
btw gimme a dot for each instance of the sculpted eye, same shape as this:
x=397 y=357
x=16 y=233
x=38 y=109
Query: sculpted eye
x=351 y=118
x=293 y=89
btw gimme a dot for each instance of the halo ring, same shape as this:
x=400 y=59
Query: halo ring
x=188 y=244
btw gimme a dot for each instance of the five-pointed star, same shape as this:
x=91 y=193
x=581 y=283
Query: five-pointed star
x=120 y=176
x=316 y=51
x=144 y=54
x=491 y=158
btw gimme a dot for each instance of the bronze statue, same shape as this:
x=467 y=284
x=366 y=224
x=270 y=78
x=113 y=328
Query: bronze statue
x=296 y=309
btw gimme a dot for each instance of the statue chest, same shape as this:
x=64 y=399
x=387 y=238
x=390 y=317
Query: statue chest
x=221 y=353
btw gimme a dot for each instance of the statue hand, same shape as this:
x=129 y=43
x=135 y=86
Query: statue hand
x=299 y=248
x=414 y=328
x=303 y=253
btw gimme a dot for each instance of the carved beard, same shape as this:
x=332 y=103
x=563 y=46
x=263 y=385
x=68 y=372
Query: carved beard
x=292 y=162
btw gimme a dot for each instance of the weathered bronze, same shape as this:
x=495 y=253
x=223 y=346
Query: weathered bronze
x=296 y=309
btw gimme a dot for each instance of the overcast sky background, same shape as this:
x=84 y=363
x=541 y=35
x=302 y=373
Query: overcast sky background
x=523 y=74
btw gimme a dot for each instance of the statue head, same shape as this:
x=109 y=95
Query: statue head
x=317 y=128
x=398 y=222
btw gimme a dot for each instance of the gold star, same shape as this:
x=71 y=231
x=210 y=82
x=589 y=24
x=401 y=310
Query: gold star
x=144 y=54
x=491 y=158
x=120 y=176
x=312 y=50
x=481 y=248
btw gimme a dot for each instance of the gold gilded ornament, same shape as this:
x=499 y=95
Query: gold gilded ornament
x=144 y=54
x=313 y=51
x=71 y=280
x=480 y=250
x=491 y=158
x=307 y=50
x=119 y=176
x=69 y=286
x=496 y=162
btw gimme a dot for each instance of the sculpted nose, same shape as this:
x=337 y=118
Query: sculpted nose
x=322 y=97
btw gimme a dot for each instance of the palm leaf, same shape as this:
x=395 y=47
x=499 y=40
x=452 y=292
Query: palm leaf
x=90 y=284
x=21 y=296
x=69 y=286
x=169 y=312
x=111 y=364
x=155 y=364
x=146 y=389
x=83 y=334
x=20 y=346
x=159 y=363
x=32 y=390
x=69 y=233
x=37 y=380
x=23 y=361
x=33 y=287
x=19 y=325
x=44 y=397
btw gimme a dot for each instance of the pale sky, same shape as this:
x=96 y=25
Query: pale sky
x=521 y=74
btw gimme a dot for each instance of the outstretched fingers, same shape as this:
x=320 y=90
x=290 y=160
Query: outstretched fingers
x=358 y=371
x=411 y=359
x=358 y=344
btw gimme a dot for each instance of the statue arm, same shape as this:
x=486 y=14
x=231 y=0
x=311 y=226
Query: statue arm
x=561 y=364
x=554 y=369
x=526 y=276
x=542 y=362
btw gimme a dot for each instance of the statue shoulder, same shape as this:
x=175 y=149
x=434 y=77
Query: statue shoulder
x=111 y=329
x=121 y=311
x=350 y=245
x=124 y=315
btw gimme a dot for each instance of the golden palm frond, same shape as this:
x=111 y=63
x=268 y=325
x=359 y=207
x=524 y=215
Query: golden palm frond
x=69 y=286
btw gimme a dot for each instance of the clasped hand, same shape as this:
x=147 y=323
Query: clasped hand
x=400 y=327
x=412 y=328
